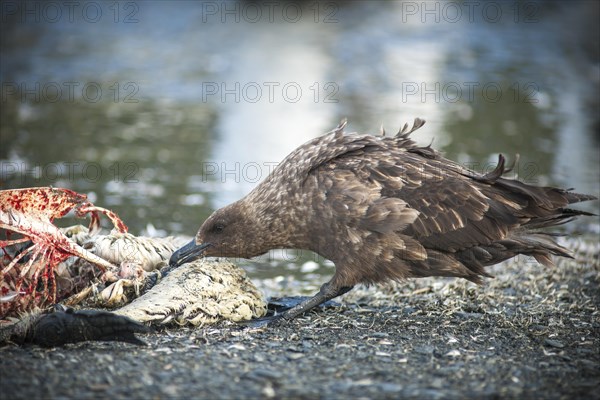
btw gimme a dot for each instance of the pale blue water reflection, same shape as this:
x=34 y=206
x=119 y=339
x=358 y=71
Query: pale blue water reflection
x=183 y=109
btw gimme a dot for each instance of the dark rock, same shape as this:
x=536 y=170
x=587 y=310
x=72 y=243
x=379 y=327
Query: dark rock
x=554 y=343
x=427 y=350
x=468 y=315
x=262 y=374
x=389 y=388
x=379 y=335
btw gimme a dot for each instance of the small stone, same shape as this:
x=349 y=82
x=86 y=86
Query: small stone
x=468 y=315
x=268 y=391
x=424 y=350
x=588 y=363
x=389 y=387
x=262 y=373
x=438 y=383
x=554 y=343
x=294 y=356
x=379 y=335
x=453 y=353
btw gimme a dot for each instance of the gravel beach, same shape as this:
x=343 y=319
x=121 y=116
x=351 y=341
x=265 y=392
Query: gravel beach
x=529 y=332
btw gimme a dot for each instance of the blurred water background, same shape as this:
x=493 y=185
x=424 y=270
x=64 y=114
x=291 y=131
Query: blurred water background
x=164 y=111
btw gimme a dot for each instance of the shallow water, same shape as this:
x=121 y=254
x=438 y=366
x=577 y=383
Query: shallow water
x=164 y=111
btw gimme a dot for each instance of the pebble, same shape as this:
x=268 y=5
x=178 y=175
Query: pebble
x=379 y=335
x=453 y=353
x=389 y=387
x=554 y=343
x=261 y=373
x=468 y=315
x=294 y=356
x=424 y=349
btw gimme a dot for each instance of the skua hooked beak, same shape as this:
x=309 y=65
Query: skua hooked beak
x=187 y=253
